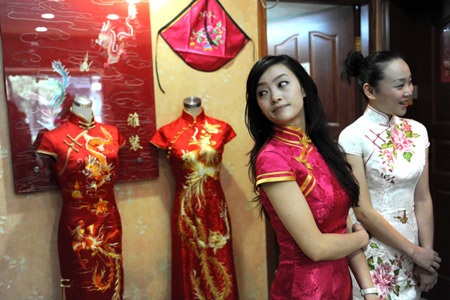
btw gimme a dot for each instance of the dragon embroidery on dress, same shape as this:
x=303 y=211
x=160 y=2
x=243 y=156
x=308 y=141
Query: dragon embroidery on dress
x=399 y=141
x=77 y=193
x=113 y=40
x=97 y=169
x=204 y=165
x=93 y=239
x=97 y=172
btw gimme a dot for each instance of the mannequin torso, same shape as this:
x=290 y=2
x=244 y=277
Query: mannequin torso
x=193 y=105
x=83 y=106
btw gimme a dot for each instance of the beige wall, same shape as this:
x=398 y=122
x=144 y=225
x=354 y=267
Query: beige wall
x=28 y=223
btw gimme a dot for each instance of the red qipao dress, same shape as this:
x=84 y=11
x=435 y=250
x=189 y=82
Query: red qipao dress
x=290 y=156
x=90 y=231
x=202 y=252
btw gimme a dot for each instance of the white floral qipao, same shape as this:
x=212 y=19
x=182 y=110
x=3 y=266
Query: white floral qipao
x=393 y=152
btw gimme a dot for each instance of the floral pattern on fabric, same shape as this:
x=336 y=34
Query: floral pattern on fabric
x=393 y=152
x=385 y=273
x=400 y=142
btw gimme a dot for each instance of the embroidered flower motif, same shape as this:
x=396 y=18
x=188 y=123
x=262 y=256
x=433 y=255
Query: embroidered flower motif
x=401 y=143
x=385 y=279
x=209 y=37
x=397 y=261
x=101 y=207
x=385 y=274
x=406 y=126
x=216 y=240
x=399 y=140
x=411 y=279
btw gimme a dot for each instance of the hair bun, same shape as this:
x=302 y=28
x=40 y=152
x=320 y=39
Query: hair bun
x=352 y=64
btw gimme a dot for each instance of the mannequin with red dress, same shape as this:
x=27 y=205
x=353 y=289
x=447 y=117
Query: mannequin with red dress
x=85 y=157
x=202 y=252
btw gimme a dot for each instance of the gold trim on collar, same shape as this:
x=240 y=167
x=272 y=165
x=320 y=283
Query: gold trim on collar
x=303 y=140
x=86 y=126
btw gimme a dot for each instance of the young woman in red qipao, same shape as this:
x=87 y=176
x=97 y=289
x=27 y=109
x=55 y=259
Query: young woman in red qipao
x=304 y=185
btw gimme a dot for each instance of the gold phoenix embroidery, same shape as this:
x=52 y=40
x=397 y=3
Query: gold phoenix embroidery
x=204 y=165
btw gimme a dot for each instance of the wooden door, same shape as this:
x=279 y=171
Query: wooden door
x=418 y=39
x=321 y=41
x=439 y=135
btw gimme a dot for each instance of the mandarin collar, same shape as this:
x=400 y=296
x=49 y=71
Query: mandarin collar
x=379 y=117
x=191 y=119
x=292 y=134
x=80 y=121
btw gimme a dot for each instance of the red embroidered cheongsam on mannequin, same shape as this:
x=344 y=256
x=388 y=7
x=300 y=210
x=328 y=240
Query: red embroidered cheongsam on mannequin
x=202 y=258
x=290 y=156
x=90 y=233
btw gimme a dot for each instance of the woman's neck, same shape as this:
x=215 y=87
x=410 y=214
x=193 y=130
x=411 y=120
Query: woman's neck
x=374 y=105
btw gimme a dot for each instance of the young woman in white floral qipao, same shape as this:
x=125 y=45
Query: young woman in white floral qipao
x=389 y=157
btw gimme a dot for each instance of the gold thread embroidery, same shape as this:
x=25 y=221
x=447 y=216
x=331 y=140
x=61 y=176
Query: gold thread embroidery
x=72 y=145
x=70 y=150
x=203 y=165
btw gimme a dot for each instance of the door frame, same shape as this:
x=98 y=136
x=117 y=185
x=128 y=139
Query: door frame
x=378 y=21
x=378 y=40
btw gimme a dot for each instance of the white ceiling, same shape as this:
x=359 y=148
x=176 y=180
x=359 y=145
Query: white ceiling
x=285 y=10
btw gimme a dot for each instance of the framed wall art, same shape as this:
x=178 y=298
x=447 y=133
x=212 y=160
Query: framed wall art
x=54 y=51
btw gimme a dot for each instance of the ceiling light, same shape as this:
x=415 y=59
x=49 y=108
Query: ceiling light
x=41 y=29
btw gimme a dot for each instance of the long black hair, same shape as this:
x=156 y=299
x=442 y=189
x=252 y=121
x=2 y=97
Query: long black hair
x=262 y=130
x=369 y=69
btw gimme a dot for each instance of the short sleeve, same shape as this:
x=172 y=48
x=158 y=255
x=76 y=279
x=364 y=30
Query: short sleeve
x=272 y=167
x=46 y=146
x=422 y=130
x=159 y=139
x=350 y=141
x=229 y=133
